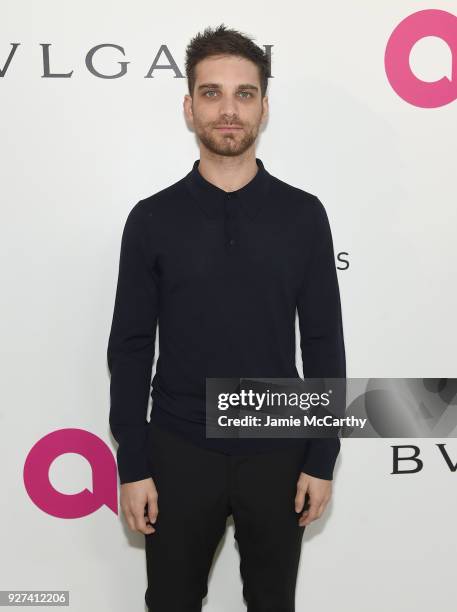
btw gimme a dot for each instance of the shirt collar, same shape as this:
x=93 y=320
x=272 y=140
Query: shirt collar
x=212 y=199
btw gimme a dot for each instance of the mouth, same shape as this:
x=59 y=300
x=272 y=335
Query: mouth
x=227 y=128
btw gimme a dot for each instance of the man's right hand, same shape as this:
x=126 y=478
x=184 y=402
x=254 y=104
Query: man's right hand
x=134 y=497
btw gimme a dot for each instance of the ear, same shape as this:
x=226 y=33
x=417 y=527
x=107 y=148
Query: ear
x=187 y=106
x=265 y=109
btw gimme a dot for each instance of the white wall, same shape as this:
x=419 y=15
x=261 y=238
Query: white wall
x=77 y=153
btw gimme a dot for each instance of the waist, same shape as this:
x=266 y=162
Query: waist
x=192 y=427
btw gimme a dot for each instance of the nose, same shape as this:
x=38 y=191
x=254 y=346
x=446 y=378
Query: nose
x=228 y=108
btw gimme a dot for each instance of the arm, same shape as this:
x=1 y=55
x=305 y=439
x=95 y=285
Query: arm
x=131 y=347
x=321 y=331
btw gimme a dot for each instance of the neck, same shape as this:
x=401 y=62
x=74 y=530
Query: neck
x=228 y=173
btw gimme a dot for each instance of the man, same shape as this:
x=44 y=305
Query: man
x=222 y=260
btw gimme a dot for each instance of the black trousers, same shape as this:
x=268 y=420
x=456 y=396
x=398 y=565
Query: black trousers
x=197 y=490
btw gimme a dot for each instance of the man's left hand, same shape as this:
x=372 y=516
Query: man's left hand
x=319 y=492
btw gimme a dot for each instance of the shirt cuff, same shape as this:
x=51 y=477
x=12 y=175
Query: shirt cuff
x=132 y=454
x=321 y=457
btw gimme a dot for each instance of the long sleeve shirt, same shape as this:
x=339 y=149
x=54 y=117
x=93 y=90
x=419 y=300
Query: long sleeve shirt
x=222 y=276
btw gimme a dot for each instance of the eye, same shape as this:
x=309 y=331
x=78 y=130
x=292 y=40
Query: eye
x=248 y=93
x=210 y=91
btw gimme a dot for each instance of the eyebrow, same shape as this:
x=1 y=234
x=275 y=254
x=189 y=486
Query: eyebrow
x=219 y=86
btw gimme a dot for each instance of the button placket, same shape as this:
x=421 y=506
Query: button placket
x=230 y=219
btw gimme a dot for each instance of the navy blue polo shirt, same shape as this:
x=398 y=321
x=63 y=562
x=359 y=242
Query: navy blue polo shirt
x=222 y=276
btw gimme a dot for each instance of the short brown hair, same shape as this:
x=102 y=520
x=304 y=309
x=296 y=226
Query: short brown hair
x=225 y=41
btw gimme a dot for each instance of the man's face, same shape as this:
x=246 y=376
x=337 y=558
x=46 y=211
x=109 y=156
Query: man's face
x=226 y=93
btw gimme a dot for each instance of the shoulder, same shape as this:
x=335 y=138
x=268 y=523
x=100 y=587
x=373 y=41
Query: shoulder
x=157 y=205
x=305 y=204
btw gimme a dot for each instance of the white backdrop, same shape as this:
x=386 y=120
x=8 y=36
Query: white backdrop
x=77 y=153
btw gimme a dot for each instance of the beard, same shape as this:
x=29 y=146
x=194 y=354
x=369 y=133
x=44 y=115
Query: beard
x=229 y=144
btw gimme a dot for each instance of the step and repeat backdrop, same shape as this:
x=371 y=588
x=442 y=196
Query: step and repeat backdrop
x=363 y=113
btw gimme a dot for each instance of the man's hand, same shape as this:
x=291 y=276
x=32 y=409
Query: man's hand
x=134 y=497
x=319 y=492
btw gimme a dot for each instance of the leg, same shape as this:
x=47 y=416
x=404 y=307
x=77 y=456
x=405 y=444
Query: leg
x=269 y=538
x=193 y=507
